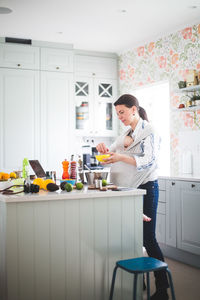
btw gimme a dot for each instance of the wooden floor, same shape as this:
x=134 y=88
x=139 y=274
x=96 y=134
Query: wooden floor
x=186 y=281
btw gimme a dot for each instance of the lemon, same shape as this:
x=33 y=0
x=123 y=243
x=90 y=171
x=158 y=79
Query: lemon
x=39 y=181
x=13 y=175
x=79 y=185
x=104 y=182
x=68 y=187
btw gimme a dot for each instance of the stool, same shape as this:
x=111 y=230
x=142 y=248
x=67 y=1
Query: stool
x=141 y=265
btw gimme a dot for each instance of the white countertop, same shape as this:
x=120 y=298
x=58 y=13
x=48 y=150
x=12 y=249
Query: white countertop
x=181 y=177
x=63 y=195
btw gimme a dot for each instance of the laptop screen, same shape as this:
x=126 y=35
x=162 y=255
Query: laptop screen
x=37 y=168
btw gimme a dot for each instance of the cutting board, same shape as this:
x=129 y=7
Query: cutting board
x=104 y=188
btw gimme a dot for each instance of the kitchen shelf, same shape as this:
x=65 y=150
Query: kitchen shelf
x=189 y=109
x=194 y=88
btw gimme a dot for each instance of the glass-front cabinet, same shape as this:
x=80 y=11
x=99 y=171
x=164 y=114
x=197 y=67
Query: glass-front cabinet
x=94 y=110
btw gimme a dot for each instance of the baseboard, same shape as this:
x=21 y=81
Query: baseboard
x=180 y=255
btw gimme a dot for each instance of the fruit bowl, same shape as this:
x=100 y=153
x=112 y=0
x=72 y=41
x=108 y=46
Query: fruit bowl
x=102 y=157
x=72 y=181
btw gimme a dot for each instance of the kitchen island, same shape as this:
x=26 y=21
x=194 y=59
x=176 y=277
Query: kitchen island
x=59 y=245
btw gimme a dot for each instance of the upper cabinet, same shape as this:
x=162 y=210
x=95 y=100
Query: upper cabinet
x=95 y=90
x=19 y=56
x=59 y=60
x=98 y=67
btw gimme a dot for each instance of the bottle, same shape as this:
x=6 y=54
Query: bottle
x=72 y=168
x=65 y=165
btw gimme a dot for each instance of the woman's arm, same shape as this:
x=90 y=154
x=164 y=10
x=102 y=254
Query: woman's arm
x=115 y=157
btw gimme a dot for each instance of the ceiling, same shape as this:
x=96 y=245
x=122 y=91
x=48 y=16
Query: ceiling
x=104 y=25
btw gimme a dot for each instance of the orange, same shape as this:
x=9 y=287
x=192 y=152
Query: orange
x=6 y=176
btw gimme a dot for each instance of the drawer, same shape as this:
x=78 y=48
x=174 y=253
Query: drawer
x=59 y=60
x=19 y=56
x=162 y=184
x=161 y=208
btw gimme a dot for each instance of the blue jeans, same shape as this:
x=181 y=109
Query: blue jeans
x=149 y=230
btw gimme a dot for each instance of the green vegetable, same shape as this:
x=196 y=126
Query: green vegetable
x=104 y=182
x=68 y=187
x=79 y=185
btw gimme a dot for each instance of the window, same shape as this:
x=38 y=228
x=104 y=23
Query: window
x=155 y=100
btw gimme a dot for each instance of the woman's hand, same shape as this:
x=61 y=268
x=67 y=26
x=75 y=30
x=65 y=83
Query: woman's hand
x=114 y=157
x=102 y=148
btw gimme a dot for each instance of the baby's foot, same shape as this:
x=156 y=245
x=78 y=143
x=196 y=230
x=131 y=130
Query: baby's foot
x=146 y=219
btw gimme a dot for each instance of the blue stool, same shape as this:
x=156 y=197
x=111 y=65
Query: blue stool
x=141 y=265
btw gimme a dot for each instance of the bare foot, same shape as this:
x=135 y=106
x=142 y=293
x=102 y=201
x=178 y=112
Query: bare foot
x=146 y=219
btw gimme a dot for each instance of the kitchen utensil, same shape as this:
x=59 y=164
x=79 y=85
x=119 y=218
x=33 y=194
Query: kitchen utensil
x=87 y=168
x=100 y=175
x=89 y=177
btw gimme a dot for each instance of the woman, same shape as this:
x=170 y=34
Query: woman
x=133 y=159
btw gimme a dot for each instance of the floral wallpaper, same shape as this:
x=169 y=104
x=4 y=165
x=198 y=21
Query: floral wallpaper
x=169 y=58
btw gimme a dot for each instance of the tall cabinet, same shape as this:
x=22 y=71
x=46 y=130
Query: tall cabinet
x=56 y=91
x=19 y=105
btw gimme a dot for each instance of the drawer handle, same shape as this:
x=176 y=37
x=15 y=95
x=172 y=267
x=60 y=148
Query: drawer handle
x=192 y=185
x=19 y=65
x=57 y=68
x=93 y=74
x=173 y=183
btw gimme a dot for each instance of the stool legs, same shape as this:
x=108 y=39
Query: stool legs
x=171 y=284
x=113 y=283
x=135 y=286
x=148 y=287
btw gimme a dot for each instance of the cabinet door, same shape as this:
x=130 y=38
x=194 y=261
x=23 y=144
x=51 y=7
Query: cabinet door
x=188 y=221
x=172 y=194
x=83 y=105
x=19 y=56
x=19 y=114
x=105 y=122
x=161 y=228
x=98 y=67
x=58 y=60
x=55 y=109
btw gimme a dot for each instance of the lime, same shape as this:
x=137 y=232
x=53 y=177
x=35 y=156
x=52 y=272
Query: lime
x=104 y=182
x=79 y=185
x=68 y=187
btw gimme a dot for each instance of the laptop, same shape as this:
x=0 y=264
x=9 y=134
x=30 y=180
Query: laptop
x=37 y=168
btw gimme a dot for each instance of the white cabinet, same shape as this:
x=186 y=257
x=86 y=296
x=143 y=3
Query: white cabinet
x=172 y=194
x=19 y=115
x=19 y=56
x=94 y=112
x=59 y=60
x=56 y=92
x=188 y=221
x=100 y=67
x=161 y=213
x=95 y=90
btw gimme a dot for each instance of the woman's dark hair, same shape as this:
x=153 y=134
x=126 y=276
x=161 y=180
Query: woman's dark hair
x=143 y=114
x=127 y=100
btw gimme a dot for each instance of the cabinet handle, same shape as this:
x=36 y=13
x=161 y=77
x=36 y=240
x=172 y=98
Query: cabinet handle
x=173 y=183
x=93 y=74
x=57 y=68
x=192 y=185
x=19 y=65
